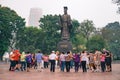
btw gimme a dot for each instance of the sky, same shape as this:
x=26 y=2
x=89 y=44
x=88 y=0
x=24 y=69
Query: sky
x=101 y=12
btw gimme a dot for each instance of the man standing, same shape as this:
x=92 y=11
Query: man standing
x=62 y=61
x=66 y=25
x=67 y=61
x=52 y=58
x=38 y=58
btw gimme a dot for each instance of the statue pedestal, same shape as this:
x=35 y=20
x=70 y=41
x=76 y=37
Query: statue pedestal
x=64 y=46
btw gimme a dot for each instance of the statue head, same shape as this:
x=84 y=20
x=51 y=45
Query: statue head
x=65 y=9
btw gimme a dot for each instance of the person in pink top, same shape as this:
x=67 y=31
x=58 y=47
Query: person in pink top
x=62 y=61
x=46 y=60
x=102 y=60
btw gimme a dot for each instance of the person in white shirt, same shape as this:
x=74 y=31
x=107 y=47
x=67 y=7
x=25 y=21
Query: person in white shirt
x=6 y=57
x=52 y=58
x=83 y=61
x=62 y=61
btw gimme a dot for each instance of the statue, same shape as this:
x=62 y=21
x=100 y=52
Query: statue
x=66 y=25
x=65 y=44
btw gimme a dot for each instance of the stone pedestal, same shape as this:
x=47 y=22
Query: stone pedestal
x=64 y=46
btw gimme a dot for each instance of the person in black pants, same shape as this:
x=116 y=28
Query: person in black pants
x=52 y=66
x=76 y=59
x=102 y=57
x=68 y=66
x=103 y=66
x=108 y=61
x=67 y=61
x=84 y=66
x=52 y=58
x=83 y=61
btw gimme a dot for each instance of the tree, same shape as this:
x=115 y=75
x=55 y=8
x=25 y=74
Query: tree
x=77 y=39
x=80 y=43
x=46 y=37
x=18 y=27
x=118 y=3
x=86 y=28
x=49 y=24
x=111 y=34
x=74 y=30
x=30 y=39
x=10 y=23
x=95 y=42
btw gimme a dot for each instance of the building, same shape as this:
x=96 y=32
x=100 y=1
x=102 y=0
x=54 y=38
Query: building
x=34 y=17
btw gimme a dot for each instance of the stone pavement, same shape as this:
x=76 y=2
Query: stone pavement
x=57 y=75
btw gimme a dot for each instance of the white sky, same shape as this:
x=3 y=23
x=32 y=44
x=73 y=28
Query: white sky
x=101 y=12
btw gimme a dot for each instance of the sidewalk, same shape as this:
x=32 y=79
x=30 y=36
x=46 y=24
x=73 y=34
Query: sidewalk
x=57 y=75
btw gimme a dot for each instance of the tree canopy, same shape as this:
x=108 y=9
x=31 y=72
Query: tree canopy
x=86 y=28
x=10 y=24
x=111 y=34
x=50 y=25
x=30 y=39
x=118 y=3
x=95 y=42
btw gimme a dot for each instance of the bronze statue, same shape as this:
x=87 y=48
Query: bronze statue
x=65 y=44
x=66 y=25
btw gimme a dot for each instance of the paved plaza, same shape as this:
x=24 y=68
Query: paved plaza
x=57 y=75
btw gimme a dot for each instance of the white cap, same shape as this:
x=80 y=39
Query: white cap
x=53 y=51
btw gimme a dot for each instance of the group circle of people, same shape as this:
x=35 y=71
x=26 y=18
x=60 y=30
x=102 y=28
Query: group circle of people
x=99 y=61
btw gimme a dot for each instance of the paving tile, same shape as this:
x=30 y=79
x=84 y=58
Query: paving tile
x=57 y=75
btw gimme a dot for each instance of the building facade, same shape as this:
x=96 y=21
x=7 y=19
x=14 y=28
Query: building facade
x=34 y=17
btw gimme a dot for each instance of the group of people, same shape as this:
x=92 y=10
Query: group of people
x=96 y=62
x=25 y=61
